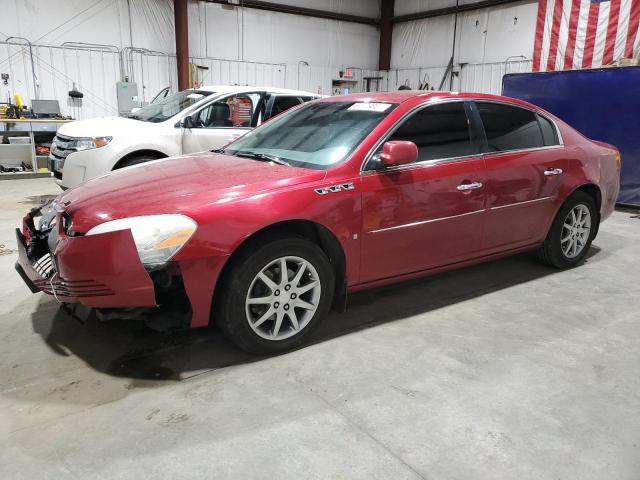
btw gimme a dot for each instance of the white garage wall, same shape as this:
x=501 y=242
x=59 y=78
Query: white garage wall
x=247 y=46
x=240 y=46
x=257 y=35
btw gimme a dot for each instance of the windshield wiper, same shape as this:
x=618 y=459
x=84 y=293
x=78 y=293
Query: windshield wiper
x=262 y=156
x=218 y=150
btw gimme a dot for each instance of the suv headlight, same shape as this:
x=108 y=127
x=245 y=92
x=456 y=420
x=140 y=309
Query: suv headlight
x=157 y=237
x=89 y=143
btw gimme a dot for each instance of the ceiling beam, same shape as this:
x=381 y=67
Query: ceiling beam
x=295 y=10
x=439 y=12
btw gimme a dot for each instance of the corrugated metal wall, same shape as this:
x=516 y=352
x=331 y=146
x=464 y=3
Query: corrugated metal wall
x=487 y=77
x=95 y=70
x=57 y=70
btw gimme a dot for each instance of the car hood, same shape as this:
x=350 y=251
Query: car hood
x=177 y=185
x=103 y=127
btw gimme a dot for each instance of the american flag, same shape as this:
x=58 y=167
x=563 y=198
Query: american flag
x=573 y=34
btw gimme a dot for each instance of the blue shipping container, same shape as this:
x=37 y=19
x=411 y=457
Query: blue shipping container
x=602 y=104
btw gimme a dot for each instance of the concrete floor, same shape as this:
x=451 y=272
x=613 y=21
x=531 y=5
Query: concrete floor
x=501 y=371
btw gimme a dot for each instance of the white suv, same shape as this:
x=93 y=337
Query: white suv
x=190 y=121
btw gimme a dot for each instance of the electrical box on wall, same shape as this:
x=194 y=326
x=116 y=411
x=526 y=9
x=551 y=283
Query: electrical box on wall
x=127 y=94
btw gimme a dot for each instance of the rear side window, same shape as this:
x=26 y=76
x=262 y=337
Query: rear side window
x=509 y=128
x=439 y=131
x=549 y=134
x=280 y=104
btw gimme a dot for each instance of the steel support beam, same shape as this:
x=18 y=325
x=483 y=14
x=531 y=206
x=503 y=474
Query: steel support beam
x=439 y=12
x=295 y=10
x=386 y=34
x=182 y=42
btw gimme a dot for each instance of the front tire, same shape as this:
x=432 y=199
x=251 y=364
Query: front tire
x=571 y=232
x=263 y=311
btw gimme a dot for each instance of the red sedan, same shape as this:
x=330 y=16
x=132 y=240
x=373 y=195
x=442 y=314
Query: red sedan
x=341 y=194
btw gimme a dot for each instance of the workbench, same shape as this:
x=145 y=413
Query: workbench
x=34 y=131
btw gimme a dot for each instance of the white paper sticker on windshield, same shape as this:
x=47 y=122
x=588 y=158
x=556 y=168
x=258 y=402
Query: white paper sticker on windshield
x=370 y=106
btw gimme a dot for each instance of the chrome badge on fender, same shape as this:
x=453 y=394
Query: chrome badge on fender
x=334 y=188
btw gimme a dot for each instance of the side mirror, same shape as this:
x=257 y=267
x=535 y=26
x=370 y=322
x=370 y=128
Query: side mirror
x=398 y=152
x=187 y=122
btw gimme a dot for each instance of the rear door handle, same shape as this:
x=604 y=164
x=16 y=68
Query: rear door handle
x=469 y=186
x=552 y=171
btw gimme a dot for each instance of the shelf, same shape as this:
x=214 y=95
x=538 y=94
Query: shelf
x=23 y=175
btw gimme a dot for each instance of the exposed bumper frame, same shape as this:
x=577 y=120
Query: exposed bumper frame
x=104 y=271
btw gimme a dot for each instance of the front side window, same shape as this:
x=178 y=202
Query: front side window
x=316 y=135
x=439 y=131
x=508 y=127
x=235 y=111
x=169 y=106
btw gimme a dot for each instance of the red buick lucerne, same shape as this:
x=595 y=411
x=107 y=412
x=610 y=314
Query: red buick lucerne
x=340 y=194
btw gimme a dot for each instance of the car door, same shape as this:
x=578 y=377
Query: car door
x=429 y=213
x=524 y=162
x=221 y=121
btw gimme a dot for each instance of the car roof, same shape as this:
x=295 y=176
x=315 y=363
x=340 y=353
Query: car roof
x=250 y=88
x=400 y=96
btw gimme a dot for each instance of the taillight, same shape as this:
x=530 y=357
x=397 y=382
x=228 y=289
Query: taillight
x=618 y=160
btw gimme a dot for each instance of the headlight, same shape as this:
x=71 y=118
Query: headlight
x=157 y=237
x=89 y=143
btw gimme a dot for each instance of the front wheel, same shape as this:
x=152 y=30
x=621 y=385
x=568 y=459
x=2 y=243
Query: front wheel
x=275 y=296
x=571 y=233
x=134 y=161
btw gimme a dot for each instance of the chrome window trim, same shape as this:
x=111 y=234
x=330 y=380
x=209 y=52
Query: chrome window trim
x=424 y=163
x=438 y=161
x=523 y=150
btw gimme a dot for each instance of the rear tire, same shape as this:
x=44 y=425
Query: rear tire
x=571 y=233
x=263 y=312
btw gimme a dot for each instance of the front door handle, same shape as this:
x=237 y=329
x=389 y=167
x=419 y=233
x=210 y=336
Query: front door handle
x=469 y=186
x=552 y=171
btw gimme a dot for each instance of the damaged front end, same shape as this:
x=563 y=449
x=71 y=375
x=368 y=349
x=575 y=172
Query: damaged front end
x=100 y=271
x=105 y=271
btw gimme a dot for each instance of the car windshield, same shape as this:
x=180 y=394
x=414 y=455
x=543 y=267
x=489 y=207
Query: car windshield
x=169 y=106
x=316 y=135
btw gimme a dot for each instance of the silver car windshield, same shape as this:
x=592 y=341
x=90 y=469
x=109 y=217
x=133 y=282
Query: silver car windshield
x=316 y=136
x=169 y=106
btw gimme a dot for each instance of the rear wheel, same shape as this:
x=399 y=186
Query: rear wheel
x=571 y=233
x=276 y=296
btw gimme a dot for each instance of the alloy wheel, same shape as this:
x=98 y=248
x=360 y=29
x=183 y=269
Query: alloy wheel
x=575 y=231
x=283 y=298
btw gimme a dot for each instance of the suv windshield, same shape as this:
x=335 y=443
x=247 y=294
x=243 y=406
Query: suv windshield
x=316 y=135
x=169 y=106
